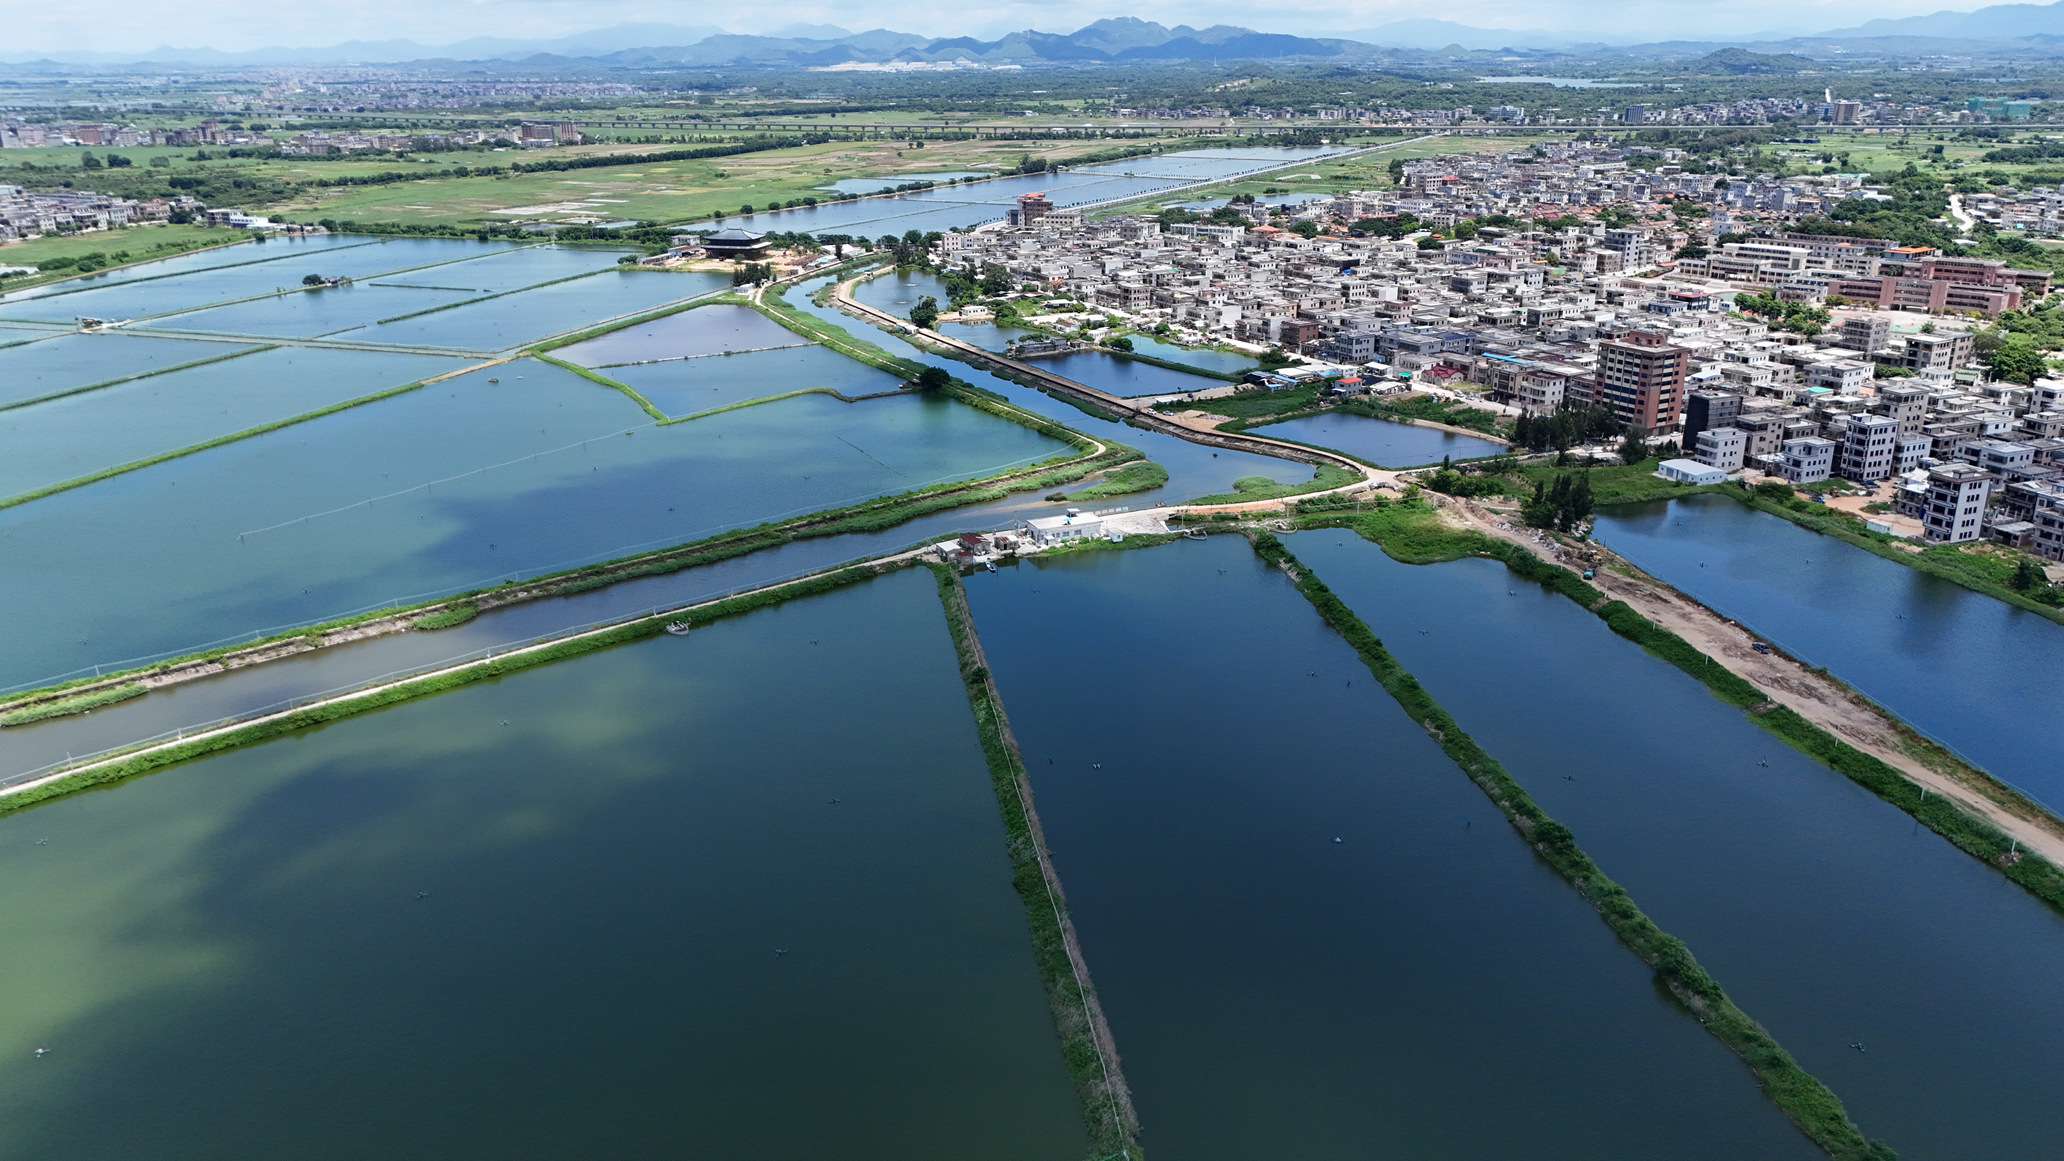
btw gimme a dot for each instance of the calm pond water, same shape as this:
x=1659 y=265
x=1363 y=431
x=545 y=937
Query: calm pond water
x=687 y=386
x=138 y=298
x=1425 y=983
x=64 y=439
x=1974 y=673
x=706 y=330
x=245 y=250
x=436 y=490
x=66 y=361
x=1379 y=441
x=235 y=957
x=1829 y=916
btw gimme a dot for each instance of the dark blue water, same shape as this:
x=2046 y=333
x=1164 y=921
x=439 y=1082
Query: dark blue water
x=1827 y=915
x=1379 y=441
x=1976 y=674
x=1424 y=988
x=231 y=958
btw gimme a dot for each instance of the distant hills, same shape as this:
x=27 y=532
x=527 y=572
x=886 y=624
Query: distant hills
x=2020 y=29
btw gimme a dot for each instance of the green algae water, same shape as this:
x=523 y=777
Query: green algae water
x=1828 y=915
x=1421 y=988
x=604 y=908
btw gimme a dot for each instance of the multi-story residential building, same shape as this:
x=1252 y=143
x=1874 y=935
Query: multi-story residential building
x=1721 y=447
x=1641 y=378
x=1955 y=504
x=1870 y=449
x=1805 y=459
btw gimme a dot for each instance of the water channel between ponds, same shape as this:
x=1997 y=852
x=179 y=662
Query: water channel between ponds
x=1970 y=671
x=1422 y=988
x=449 y=487
x=631 y=904
x=1827 y=915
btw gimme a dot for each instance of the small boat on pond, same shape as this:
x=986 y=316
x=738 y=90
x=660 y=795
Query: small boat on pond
x=678 y=628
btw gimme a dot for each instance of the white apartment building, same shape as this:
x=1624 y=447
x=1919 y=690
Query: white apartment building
x=1955 y=509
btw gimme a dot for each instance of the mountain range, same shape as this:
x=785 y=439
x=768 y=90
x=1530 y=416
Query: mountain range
x=2036 y=29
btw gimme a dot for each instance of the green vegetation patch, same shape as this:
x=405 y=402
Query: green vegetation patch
x=65 y=706
x=1143 y=476
x=457 y=614
x=1248 y=488
x=1810 y=1104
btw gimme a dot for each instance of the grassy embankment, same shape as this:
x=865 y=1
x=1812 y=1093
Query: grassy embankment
x=1106 y=1106
x=83 y=703
x=1141 y=476
x=1415 y=534
x=1248 y=488
x=1810 y=1104
x=109 y=250
x=142 y=762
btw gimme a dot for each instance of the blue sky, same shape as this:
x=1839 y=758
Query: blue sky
x=128 y=25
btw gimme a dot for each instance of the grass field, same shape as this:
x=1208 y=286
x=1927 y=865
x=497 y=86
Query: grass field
x=668 y=191
x=141 y=242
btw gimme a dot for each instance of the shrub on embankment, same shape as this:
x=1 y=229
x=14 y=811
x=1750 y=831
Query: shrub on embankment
x=1810 y=1104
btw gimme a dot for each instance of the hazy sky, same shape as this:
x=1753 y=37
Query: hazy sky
x=126 y=25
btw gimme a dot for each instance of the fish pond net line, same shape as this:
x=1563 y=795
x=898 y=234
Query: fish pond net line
x=485 y=653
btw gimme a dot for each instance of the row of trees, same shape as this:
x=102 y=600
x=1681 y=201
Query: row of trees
x=1566 y=427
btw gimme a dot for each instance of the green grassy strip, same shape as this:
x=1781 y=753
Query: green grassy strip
x=1142 y=476
x=489 y=297
x=775 y=306
x=834 y=392
x=1809 y=1103
x=187 y=366
x=71 y=705
x=445 y=618
x=1104 y=1112
x=1402 y=530
x=636 y=396
x=218 y=441
x=122 y=769
x=1327 y=477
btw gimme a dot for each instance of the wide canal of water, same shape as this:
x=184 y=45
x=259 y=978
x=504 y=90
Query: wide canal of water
x=1974 y=673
